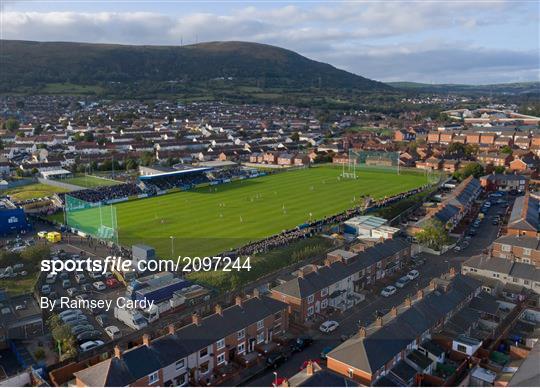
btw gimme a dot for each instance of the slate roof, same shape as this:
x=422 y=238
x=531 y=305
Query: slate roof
x=302 y=287
x=327 y=378
x=505 y=266
x=372 y=352
x=525 y=214
x=519 y=241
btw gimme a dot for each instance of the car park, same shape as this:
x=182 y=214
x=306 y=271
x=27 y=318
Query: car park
x=68 y=312
x=274 y=360
x=72 y=319
x=402 y=281
x=90 y=345
x=413 y=274
x=113 y=332
x=80 y=320
x=388 y=290
x=100 y=286
x=328 y=326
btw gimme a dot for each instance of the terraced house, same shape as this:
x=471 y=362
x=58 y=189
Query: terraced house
x=194 y=353
x=336 y=284
x=392 y=353
x=524 y=219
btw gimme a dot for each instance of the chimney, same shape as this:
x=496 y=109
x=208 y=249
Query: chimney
x=171 y=328
x=432 y=285
x=196 y=319
x=315 y=268
x=452 y=272
x=408 y=302
x=327 y=262
x=146 y=339
x=238 y=300
x=309 y=368
x=117 y=351
x=393 y=312
x=379 y=322
x=256 y=293
x=218 y=309
x=362 y=333
x=301 y=273
x=420 y=294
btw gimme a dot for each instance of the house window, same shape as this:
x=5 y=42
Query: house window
x=204 y=367
x=462 y=348
x=526 y=251
x=526 y=282
x=324 y=303
x=260 y=325
x=260 y=338
x=310 y=299
x=221 y=358
x=350 y=373
x=324 y=292
x=241 y=334
x=241 y=348
x=515 y=280
x=153 y=378
x=495 y=275
x=203 y=352
x=310 y=311
x=180 y=364
x=220 y=344
x=506 y=248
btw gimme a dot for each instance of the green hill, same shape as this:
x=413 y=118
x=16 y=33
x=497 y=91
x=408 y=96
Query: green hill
x=49 y=66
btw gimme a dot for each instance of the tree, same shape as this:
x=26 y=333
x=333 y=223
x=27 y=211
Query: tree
x=474 y=169
x=499 y=169
x=506 y=150
x=433 y=236
x=295 y=137
x=12 y=124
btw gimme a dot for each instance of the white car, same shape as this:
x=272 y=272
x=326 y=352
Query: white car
x=403 y=281
x=42 y=234
x=100 y=286
x=413 y=274
x=388 y=290
x=328 y=326
x=91 y=345
x=113 y=332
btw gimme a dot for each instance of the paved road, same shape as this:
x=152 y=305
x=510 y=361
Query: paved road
x=433 y=267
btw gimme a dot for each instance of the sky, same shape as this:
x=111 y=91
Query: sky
x=455 y=41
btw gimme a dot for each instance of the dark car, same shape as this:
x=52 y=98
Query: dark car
x=472 y=232
x=300 y=343
x=89 y=335
x=79 y=329
x=274 y=360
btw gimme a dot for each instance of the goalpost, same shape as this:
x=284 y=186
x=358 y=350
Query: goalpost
x=388 y=161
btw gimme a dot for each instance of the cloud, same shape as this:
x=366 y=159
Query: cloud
x=445 y=41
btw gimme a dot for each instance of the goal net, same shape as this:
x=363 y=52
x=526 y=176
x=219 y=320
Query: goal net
x=94 y=219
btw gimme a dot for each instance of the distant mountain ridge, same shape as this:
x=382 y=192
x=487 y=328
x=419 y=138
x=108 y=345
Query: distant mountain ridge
x=504 y=88
x=27 y=63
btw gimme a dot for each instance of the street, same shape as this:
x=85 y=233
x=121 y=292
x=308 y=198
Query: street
x=364 y=313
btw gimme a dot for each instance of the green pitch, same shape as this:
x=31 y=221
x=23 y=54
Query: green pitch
x=214 y=219
x=90 y=181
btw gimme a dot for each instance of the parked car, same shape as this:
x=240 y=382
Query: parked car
x=45 y=289
x=68 y=312
x=328 y=326
x=50 y=279
x=80 y=278
x=74 y=320
x=66 y=284
x=300 y=343
x=99 y=285
x=112 y=283
x=413 y=274
x=91 y=345
x=89 y=335
x=402 y=281
x=274 y=360
x=79 y=329
x=42 y=234
x=388 y=290
x=86 y=287
x=72 y=291
x=113 y=332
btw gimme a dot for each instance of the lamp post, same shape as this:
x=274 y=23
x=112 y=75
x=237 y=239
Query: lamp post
x=275 y=379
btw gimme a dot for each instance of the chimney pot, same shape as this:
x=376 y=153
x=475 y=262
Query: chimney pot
x=432 y=285
x=379 y=322
x=394 y=311
x=327 y=262
x=408 y=302
x=452 y=272
x=420 y=294
x=218 y=309
x=171 y=328
x=238 y=300
x=146 y=339
x=362 y=332
x=256 y=293
x=117 y=351
x=309 y=368
x=196 y=319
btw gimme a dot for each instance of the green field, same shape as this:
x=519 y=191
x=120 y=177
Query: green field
x=90 y=181
x=36 y=190
x=213 y=219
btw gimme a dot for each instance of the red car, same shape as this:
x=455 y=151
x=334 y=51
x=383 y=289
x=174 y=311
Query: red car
x=112 y=283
